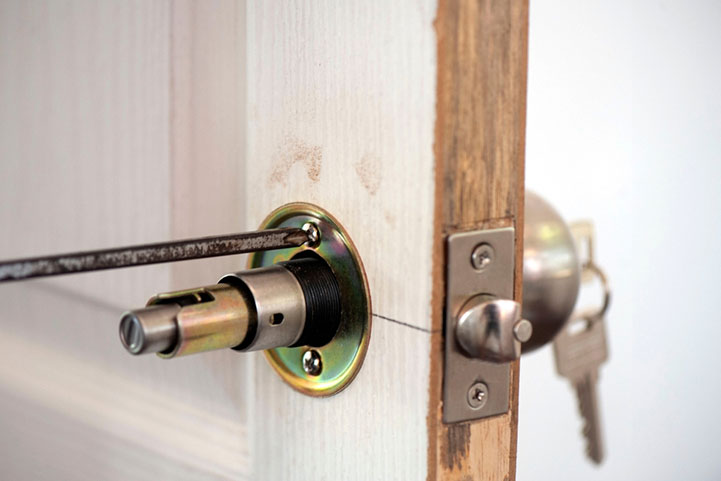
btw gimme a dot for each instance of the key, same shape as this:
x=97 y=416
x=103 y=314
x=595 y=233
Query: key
x=580 y=349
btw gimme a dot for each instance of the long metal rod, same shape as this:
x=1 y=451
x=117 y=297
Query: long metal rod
x=18 y=269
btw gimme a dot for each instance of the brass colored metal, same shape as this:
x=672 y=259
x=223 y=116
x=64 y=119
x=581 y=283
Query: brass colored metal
x=212 y=317
x=247 y=311
x=343 y=356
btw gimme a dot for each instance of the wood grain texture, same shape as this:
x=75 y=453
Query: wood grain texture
x=341 y=100
x=479 y=148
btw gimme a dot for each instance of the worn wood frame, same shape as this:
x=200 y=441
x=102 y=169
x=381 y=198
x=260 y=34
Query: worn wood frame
x=479 y=154
x=146 y=107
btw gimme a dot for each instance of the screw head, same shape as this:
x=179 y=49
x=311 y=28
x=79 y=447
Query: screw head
x=477 y=395
x=313 y=233
x=482 y=256
x=312 y=362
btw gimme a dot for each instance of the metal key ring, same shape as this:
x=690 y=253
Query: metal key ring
x=594 y=269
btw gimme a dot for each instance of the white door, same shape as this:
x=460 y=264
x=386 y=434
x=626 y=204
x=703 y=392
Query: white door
x=133 y=122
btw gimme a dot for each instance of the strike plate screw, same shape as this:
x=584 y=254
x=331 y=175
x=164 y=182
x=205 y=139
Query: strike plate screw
x=477 y=395
x=312 y=363
x=482 y=256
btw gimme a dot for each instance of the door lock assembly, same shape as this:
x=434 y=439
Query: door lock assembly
x=307 y=307
x=304 y=299
x=485 y=329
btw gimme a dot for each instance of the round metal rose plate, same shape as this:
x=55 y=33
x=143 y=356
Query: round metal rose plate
x=340 y=359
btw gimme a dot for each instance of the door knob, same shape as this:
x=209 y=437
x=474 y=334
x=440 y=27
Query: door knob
x=551 y=271
x=494 y=329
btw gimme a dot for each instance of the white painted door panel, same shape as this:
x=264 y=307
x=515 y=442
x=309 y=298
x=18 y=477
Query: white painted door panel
x=103 y=107
x=128 y=122
x=341 y=114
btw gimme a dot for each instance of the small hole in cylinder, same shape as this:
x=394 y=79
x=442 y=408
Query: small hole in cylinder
x=276 y=319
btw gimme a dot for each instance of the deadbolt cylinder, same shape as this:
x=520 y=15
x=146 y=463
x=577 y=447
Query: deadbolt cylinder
x=288 y=304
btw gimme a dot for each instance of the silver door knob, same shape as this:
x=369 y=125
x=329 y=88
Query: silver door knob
x=551 y=271
x=492 y=329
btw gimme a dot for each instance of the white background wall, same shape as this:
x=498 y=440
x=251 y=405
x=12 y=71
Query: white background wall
x=624 y=127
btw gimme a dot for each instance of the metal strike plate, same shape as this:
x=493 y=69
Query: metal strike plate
x=467 y=277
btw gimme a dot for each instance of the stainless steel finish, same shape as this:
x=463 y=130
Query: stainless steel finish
x=477 y=395
x=583 y=233
x=482 y=256
x=581 y=347
x=579 y=354
x=312 y=362
x=464 y=282
x=488 y=328
x=591 y=414
x=551 y=271
x=19 y=269
x=523 y=330
x=578 y=351
x=590 y=271
x=279 y=305
x=152 y=329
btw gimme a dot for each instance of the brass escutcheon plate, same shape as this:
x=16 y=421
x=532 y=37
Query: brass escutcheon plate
x=343 y=356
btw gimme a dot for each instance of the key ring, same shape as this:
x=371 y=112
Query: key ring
x=593 y=269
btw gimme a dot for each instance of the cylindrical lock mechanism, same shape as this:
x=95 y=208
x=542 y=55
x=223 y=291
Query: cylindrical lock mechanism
x=304 y=299
x=307 y=307
x=293 y=303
